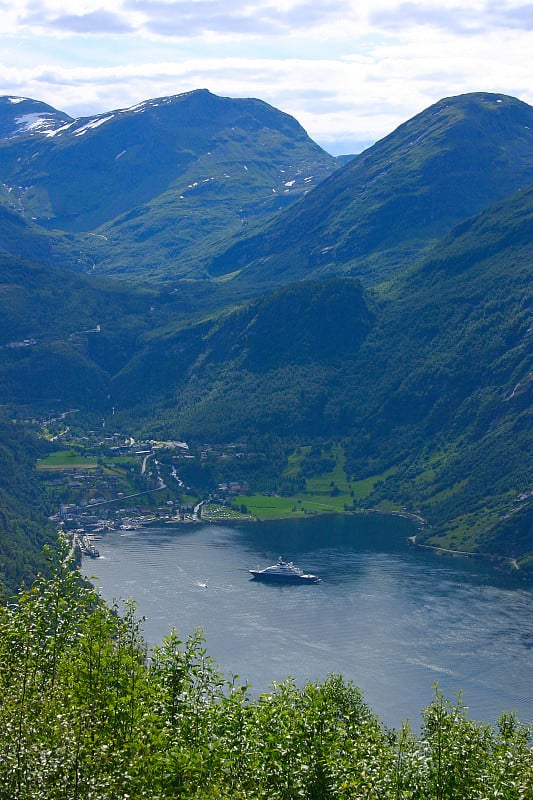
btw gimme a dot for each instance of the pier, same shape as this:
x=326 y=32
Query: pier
x=85 y=543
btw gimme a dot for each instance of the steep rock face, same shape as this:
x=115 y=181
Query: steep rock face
x=377 y=213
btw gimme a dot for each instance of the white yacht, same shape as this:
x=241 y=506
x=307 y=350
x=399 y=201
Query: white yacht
x=283 y=572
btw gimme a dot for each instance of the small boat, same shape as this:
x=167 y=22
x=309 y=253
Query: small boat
x=283 y=572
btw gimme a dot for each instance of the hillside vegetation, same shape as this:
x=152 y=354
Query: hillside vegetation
x=384 y=316
x=375 y=215
x=24 y=528
x=85 y=714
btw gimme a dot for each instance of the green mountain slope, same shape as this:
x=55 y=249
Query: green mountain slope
x=165 y=179
x=63 y=335
x=181 y=187
x=24 y=239
x=457 y=385
x=24 y=528
x=425 y=381
x=373 y=216
x=428 y=383
x=210 y=364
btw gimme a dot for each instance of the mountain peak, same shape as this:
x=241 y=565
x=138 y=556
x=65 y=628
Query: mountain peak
x=22 y=116
x=163 y=168
x=377 y=213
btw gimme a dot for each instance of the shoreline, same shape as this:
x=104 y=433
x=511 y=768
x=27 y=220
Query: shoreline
x=504 y=563
x=507 y=564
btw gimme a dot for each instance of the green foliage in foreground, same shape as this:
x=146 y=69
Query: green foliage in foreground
x=85 y=713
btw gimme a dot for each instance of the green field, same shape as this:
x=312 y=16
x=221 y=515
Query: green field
x=66 y=459
x=324 y=483
x=328 y=493
x=265 y=507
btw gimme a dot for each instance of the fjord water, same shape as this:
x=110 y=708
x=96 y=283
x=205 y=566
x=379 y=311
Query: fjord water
x=391 y=618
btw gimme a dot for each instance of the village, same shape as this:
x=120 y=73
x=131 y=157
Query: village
x=115 y=482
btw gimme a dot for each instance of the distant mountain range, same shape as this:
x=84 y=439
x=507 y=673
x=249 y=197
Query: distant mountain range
x=270 y=293
x=179 y=172
x=180 y=187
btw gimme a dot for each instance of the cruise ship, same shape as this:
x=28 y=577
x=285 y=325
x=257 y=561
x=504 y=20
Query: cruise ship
x=283 y=572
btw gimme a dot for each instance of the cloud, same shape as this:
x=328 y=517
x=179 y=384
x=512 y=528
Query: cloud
x=95 y=22
x=348 y=70
x=330 y=19
x=172 y=20
x=213 y=17
x=177 y=18
x=459 y=19
x=520 y=17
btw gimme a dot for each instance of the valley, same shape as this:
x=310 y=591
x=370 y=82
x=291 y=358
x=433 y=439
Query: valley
x=219 y=344
x=266 y=400
x=196 y=269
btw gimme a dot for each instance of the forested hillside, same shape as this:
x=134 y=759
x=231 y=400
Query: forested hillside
x=64 y=335
x=376 y=215
x=427 y=381
x=418 y=371
x=24 y=528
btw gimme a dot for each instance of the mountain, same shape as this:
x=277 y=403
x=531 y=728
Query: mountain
x=209 y=188
x=21 y=116
x=428 y=385
x=22 y=238
x=151 y=186
x=373 y=216
x=408 y=347
x=64 y=335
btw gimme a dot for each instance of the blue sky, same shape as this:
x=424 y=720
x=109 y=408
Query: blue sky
x=349 y=71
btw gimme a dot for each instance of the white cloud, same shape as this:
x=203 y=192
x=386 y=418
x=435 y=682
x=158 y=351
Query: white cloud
x=335 y=19
x=348 y=71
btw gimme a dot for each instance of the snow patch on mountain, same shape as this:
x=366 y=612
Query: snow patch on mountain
x=146 y=104
x=60 y=130
x=34 y=122
x=94 y=123
x=134 y=109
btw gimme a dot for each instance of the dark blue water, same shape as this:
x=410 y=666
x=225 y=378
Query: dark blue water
x=391 y=618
